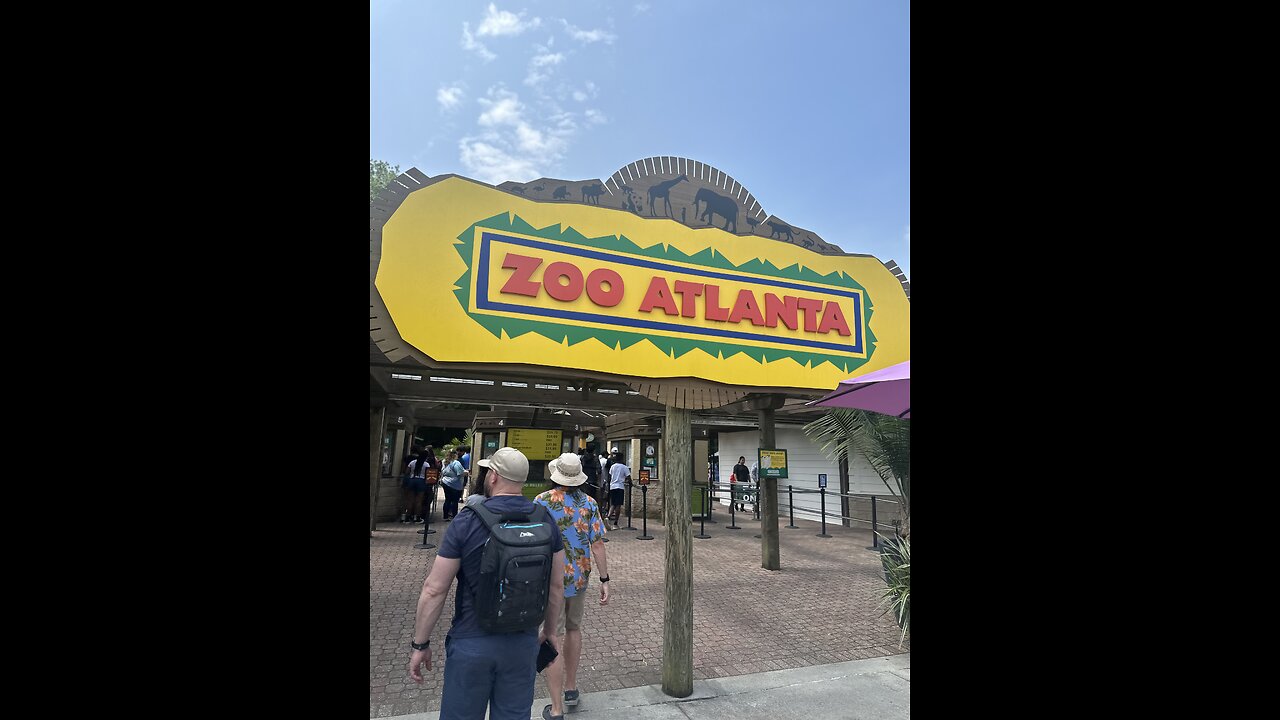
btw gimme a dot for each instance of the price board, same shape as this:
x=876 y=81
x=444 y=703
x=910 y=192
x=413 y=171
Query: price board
x=536 y=444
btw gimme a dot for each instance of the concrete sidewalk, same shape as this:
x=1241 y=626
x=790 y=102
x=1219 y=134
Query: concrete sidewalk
x=876 y=689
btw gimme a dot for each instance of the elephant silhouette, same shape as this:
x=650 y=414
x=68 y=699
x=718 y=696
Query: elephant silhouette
x=592 y=193
x=780 y=229
x=561 y=192
x=718 y=204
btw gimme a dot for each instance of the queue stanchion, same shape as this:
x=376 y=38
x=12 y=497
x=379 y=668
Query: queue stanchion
x=702 y=534
x=644 y=513
x=791 y=508
x=629 y=525
x=755 y=506
x=426 y=529
x=707 y=509
x=733 y=508
x=875 y=537
x=823 y=493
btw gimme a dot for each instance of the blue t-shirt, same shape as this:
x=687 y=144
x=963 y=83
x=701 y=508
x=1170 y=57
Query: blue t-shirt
x=465 y=540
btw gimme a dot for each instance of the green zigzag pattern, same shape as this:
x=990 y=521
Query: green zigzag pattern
x=622 y=339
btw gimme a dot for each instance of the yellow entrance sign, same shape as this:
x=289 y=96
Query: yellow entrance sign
x=602 y=289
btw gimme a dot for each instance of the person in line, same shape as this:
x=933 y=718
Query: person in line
x=483 y=670
x=591 y=466
x=417 y=471
x=619 y=474
x=741 y=478
x=579 y=520
x=406 y=484
x=452 y=479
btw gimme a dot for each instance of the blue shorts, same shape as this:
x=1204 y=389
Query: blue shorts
x=417 y=484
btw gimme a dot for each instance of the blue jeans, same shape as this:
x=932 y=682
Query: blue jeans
x=494 y=670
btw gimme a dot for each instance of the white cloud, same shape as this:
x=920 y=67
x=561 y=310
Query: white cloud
x=588 y=36
x=591 y=91
x=449 y=97
x=595 y=117
x=540 y=67
x=470 y=43
x=511 y=146
x=500 y=22
x=504 y=110
x=641 y=8
x=491 y=164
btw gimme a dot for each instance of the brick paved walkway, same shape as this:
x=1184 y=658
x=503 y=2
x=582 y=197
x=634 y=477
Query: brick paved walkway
x=822 y=607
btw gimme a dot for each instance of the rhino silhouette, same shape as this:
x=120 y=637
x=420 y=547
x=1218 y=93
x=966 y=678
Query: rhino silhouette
x=718 y=204
x=592 y=193
x=561 y=192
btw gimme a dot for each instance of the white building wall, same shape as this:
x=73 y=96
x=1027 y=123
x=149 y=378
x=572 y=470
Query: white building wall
x=805 y=460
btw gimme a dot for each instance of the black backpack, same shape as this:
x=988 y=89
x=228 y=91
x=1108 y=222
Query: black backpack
x=515 y=569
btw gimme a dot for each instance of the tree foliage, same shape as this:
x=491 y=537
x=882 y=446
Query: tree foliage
x=381 y=173
x=884 y=441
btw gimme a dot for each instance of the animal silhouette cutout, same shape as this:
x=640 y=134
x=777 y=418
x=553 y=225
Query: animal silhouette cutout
x=561 y=192
x=630 y=202
x=753 y=222
x=807 y=242
x=537 y=188
x=517 y=188
x=780 y=229
x=662 y=191
x=591 y=193
x=718 y=204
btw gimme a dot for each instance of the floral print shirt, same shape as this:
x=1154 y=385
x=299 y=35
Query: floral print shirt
x=578 y=518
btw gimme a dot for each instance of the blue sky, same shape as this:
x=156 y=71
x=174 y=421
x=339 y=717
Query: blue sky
x=807 y=104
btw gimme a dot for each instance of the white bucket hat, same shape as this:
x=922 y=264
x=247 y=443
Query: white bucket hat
x=567 y=470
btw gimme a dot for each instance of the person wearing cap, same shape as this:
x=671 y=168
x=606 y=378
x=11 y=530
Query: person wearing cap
x=578 y=517
x=483 y=670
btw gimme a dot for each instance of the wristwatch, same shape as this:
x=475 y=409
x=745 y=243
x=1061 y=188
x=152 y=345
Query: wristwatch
x=416 y=646
x=604 y=578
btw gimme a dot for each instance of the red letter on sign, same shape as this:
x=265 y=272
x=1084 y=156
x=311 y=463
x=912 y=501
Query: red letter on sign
x=833 y=319
x=519 y=284
x=659 y=295
x=551 y=281
x=596 y=291
x=746 y=307
x=785 y=310
x=689 y=293
x=713 y=310
x=810 y=309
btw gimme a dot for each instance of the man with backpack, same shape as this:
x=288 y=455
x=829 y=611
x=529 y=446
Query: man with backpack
x=508 y=556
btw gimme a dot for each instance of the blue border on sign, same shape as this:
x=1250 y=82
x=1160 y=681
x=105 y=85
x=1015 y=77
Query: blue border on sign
x=483 y=302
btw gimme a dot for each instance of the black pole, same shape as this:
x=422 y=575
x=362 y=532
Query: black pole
x=644 y=513
x=756 y=504
x=706 y=494
x=791 y=507
x=823 y=493
x=426 y=529
x=733 y=507
x=707 y=514
x=875 y=539
x=629 y=525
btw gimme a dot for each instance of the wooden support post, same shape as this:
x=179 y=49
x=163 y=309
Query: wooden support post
x=677 y=483
x=767 y=494
x=846 y=511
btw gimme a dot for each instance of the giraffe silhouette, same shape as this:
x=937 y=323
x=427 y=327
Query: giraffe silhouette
x=663 y=190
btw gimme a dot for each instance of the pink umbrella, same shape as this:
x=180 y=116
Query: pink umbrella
x=886 y=391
